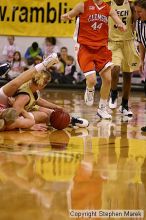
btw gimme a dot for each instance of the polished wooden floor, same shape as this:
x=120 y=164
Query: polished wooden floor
x=43 y=175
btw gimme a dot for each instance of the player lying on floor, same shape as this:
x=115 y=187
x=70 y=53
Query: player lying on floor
x=28 y=97
x=10 y=89
x=39 y=80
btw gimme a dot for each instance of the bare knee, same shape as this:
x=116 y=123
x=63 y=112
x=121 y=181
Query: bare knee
x=91 y=80
x=106 y=79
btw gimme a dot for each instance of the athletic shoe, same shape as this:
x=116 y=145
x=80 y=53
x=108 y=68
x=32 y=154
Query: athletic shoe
x=79 y=122
x=50 y=60
x=126 y=111
x=113 y=101
x=4 y=68
x=89 y=97
x=9 y=115
x=2 y=123
x=102 y=113
x=143 y=129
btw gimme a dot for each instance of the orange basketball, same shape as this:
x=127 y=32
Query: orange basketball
x=59 y=119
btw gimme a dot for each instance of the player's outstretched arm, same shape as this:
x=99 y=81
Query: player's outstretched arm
x=79 y=8
x=117 y=20
x=46 y=104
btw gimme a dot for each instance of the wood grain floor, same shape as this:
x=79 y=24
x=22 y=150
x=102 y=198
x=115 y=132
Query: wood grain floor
x=45 y=174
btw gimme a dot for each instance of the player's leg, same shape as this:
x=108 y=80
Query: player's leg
x=85 y=60
x=103 y=65
x=104 y=93
x=113 y=101
x=90 y=84
x=130 y=64
x=43 y=116
x=11 y=87
x=117 y=57
x=124 y=108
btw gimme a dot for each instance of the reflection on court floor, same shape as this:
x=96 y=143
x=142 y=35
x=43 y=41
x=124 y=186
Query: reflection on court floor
x=45 y=174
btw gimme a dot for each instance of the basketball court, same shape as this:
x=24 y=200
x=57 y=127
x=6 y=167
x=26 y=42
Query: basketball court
x=44 y=175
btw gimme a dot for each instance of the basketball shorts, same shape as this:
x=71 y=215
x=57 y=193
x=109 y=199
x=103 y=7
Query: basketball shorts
x=91 y=60
x=124 y=54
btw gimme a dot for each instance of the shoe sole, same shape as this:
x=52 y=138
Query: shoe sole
x=129 y=115
x=79 y=126
x=51 y=63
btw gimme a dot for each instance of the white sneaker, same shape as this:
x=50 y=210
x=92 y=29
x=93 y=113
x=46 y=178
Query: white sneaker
x=126 y=111
x=50 y=60
x=79 y=122
x=102 y=113
x=89 y=97
x=113 y=101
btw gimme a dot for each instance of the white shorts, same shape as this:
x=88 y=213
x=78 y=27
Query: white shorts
x=3 y=98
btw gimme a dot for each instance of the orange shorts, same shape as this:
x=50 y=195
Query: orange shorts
x=91 y=60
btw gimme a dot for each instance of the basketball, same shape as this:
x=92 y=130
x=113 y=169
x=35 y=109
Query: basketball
x=59 y=119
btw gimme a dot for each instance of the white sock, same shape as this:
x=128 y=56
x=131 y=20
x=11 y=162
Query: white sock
x=39 y=67
x=102 y=103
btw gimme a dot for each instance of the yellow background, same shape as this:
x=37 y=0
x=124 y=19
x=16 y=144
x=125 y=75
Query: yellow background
x=39 y=29
x=36 y=28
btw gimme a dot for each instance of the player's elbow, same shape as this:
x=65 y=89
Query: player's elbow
x=29 y=124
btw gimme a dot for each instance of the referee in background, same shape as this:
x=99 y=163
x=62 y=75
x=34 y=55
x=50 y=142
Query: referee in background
x=140 y=8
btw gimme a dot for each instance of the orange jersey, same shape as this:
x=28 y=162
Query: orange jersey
x=92 y=25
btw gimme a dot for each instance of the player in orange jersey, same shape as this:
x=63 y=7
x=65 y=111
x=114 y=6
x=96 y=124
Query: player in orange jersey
x=93 y=55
